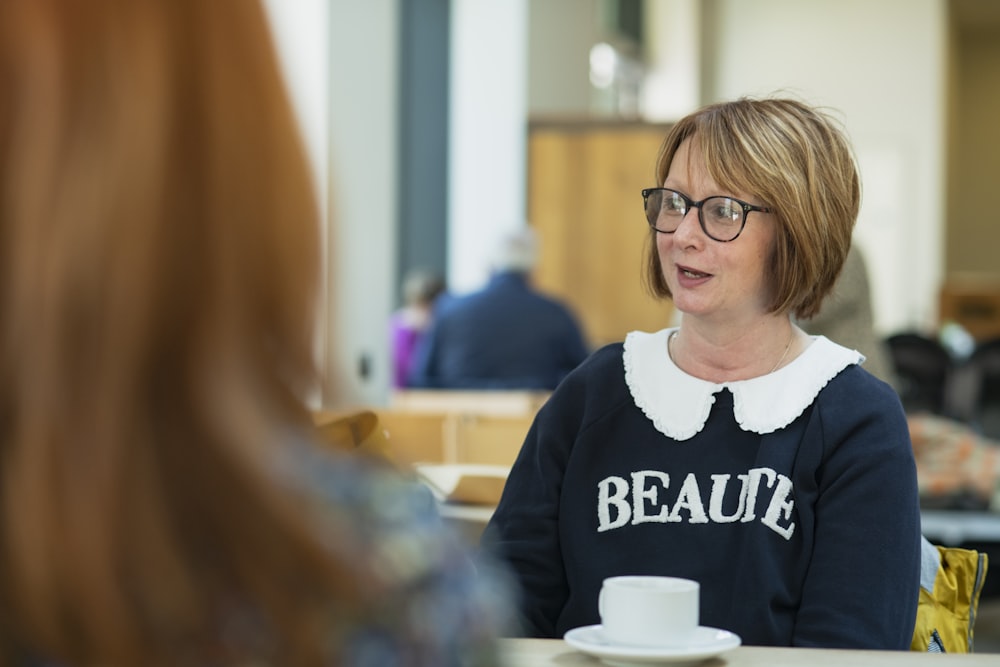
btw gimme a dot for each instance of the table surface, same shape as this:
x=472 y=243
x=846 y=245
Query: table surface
x=953 y=527
x=557 y=653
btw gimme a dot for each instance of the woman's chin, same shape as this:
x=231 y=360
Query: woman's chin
x=688 y=306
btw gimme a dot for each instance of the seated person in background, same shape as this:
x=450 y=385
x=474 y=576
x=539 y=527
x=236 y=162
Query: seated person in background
x=957 y=468
x=421 y=291
x=846 y=317
x=506 y=336
x=163 y=501
x=734 y=449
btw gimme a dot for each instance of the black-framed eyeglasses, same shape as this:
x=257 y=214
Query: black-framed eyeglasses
x=722 y=218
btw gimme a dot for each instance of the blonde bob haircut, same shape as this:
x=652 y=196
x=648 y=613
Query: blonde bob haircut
x=798 y=162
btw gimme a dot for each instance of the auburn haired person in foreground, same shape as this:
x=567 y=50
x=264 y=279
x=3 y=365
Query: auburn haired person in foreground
x=161 y=498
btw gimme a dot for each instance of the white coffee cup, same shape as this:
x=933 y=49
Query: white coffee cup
x=648 y=610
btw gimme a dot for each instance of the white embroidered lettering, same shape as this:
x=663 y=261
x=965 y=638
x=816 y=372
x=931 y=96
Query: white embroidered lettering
x=641 y=493
x=617 y=498
x=780 y=507
x=689 y=498
x=644 y=499
x=753 y=488
x=715 y=510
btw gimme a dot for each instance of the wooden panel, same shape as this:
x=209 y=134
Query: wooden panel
x=479 y=427
x=490 y=439
x=484 y=402
x=584 y=201
x=439 y=437
x=414 y=437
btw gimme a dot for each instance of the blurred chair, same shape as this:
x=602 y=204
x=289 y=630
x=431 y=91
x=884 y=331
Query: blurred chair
x=976 y=390
x=355 y=430
x=923 y=368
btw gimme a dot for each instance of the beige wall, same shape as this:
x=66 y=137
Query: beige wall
x=880 y=66
x=560 y=34
x=973 y=213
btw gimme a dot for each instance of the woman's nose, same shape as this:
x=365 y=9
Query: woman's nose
x=689 y=227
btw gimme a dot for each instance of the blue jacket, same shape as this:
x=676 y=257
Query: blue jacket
x=506 y=336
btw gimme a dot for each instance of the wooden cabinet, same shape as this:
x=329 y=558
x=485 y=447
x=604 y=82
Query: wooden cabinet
x=974 y=302
x=584 y=201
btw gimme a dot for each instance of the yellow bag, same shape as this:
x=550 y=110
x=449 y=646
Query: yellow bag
x=951 y=581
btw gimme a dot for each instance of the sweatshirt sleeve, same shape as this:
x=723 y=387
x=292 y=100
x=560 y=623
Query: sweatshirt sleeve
x=862 y=586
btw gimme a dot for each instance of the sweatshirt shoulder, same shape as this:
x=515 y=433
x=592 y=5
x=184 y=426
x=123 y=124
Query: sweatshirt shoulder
x=592 y=391
x=858 y=388
x=856 y=402
x=603 y=363
x=597 y=383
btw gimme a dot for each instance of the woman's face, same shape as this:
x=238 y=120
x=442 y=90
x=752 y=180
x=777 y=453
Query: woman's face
x=723 y=282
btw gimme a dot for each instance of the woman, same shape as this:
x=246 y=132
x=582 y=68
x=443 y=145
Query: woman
x=733 y=449
x=421 y=291
x=161 y=502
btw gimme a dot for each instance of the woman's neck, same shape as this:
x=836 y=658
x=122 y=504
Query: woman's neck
x=736 y=353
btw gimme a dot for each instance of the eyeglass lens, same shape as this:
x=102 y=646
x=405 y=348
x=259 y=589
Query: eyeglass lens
x=720 y=217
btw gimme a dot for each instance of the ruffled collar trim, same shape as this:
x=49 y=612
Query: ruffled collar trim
x=678 y=404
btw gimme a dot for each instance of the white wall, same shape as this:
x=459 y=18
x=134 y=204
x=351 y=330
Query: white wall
x=487 y=135
x=363 y=155
x=560 y=34
x=881 y=65
x=673 y=52
x=301 y=35
x=340 y=58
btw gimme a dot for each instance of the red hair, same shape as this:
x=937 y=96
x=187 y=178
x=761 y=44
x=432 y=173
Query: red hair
x=159 y=250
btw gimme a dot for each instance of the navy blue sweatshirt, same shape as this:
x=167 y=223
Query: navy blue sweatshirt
x=791 y=498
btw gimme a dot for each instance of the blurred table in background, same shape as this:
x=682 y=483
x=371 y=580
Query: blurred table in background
x=480 y=402
x=468 y=427
x=460 y=443
x=958 y=527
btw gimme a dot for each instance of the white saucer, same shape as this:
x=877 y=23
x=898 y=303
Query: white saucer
x=704 y=643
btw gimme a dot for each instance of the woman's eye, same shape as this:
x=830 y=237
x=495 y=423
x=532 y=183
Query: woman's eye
x=674 y=205
x=725 y=211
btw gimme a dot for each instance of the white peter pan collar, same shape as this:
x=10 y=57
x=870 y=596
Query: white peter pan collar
x=678 y=404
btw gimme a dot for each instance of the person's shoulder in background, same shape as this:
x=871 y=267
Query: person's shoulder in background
x=847 y=317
